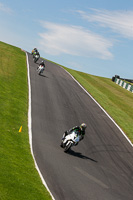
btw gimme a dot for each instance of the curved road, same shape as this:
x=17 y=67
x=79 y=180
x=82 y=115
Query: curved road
x=101 y=166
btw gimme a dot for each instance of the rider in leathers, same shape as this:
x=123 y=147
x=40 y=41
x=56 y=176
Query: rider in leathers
x=80 y=129
x=42 y=64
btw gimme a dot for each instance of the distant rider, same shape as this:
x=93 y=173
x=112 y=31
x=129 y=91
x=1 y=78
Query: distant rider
x=41 y=64
x=34 y=51
x=80 y=129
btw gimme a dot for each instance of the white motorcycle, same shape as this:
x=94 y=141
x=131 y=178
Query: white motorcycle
x=36 y=57
x=70 y=140
x=40 y=69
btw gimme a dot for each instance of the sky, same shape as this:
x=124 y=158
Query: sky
x=91 y=36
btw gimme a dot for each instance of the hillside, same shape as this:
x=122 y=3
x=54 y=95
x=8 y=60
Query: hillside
x=18 y=176
x=117 y=101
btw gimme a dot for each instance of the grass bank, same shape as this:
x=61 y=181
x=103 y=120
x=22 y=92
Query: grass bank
x=19 y=179
x=117 y=101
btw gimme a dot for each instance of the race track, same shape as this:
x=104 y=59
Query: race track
x=101 y=166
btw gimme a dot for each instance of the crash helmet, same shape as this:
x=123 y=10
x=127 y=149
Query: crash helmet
x=83 y=126
x=42 y=62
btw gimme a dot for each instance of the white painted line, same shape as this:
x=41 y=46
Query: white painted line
x=100 y=107
x=30 y=128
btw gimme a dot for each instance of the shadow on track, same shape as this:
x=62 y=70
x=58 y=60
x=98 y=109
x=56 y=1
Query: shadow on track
x=79 y=155
x=43 y=76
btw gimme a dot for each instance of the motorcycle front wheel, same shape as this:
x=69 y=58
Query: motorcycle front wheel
x=61 y=144
x=66 y=149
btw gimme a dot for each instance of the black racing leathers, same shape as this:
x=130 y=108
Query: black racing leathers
x=76 y=128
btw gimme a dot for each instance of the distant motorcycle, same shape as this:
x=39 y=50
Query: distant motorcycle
x=36 y=57
x=70 y=140
x=40 y=69
x=34 y=51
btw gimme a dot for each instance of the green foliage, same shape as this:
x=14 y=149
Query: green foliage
x=19 y=179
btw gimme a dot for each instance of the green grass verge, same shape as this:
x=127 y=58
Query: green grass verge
x=117 y=101
x=19 y=180
x=18 y=176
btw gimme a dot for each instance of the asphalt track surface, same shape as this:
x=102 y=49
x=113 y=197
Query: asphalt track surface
x=101 y=166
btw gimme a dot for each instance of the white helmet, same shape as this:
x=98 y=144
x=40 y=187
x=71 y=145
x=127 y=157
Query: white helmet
x=83 y=126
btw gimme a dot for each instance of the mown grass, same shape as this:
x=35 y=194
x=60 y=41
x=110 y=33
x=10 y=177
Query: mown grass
x=117 y=101
x=19 y=180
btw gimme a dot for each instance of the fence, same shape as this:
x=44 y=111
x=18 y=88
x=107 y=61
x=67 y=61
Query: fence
x=122 y=83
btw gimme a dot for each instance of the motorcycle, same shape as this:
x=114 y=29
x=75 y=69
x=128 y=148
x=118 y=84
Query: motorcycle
x=36 y=57
x=70 y=140
x=40 y=69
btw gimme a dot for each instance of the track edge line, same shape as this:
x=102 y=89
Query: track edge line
x=100 y=107
x=30 y=129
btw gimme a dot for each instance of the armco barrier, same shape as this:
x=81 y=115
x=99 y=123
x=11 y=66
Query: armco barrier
x=123 y=84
